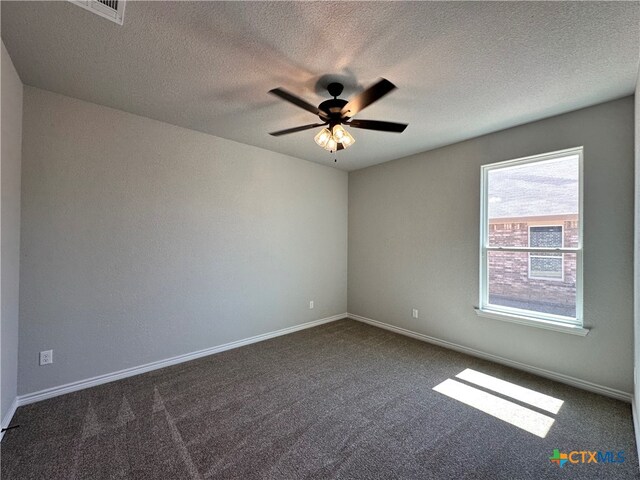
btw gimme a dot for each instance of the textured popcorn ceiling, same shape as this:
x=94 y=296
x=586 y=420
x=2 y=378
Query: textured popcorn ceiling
x=463 y=69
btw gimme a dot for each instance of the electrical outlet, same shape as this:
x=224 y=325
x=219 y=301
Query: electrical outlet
x=46 y=357
x=311 y=305
x=415 y=313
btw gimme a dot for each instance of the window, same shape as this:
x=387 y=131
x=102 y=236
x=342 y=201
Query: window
x=531 y=240
x=546 y=265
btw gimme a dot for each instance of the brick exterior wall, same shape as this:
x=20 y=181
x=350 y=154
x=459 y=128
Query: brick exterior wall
x=509 y=281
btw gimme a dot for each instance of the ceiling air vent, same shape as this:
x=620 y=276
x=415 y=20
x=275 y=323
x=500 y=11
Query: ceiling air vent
x=111 y=9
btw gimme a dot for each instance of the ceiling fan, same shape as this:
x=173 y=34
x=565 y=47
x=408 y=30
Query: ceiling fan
x=337 y=112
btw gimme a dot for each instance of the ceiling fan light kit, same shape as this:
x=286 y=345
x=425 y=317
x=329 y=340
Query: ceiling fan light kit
x=336 y=113
x=331 y=139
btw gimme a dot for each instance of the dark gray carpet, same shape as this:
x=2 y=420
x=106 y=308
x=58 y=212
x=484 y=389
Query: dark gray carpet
x=344 y=400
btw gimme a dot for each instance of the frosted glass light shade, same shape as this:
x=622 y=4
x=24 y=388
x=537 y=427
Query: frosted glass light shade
x=323 y=137
x=331 y=145
x=339 y=133
x=347 y=139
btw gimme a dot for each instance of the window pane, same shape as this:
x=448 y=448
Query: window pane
x=511 y=285
x=545 y=236
x=545 y=265
x=539 y=194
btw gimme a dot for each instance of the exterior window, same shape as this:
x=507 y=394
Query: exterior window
x=531 y=239
x=546 y=265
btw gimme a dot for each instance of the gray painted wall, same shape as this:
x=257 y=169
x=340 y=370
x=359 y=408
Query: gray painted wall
x=414 y=233
x=9 y=230
x=142 y=240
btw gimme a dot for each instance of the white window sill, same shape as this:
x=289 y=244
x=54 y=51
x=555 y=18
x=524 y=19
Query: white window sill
x=533 y=322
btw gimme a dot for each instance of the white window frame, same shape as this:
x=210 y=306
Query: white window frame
x=517 y=315
x=542 y=277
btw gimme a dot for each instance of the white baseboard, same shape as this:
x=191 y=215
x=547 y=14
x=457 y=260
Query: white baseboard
x=636 y=425
x=8 y=416
x=559 y=377
x=129 y=372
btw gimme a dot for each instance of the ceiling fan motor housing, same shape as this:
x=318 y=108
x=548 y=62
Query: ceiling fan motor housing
x=333 y=108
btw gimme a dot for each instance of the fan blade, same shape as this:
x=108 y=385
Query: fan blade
x=377 y=125
x=290 y=97
x=296 y=129
x=372 y=94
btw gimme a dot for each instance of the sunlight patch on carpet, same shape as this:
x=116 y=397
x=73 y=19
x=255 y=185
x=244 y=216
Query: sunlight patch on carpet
x=525 y=395
x=505 y=410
